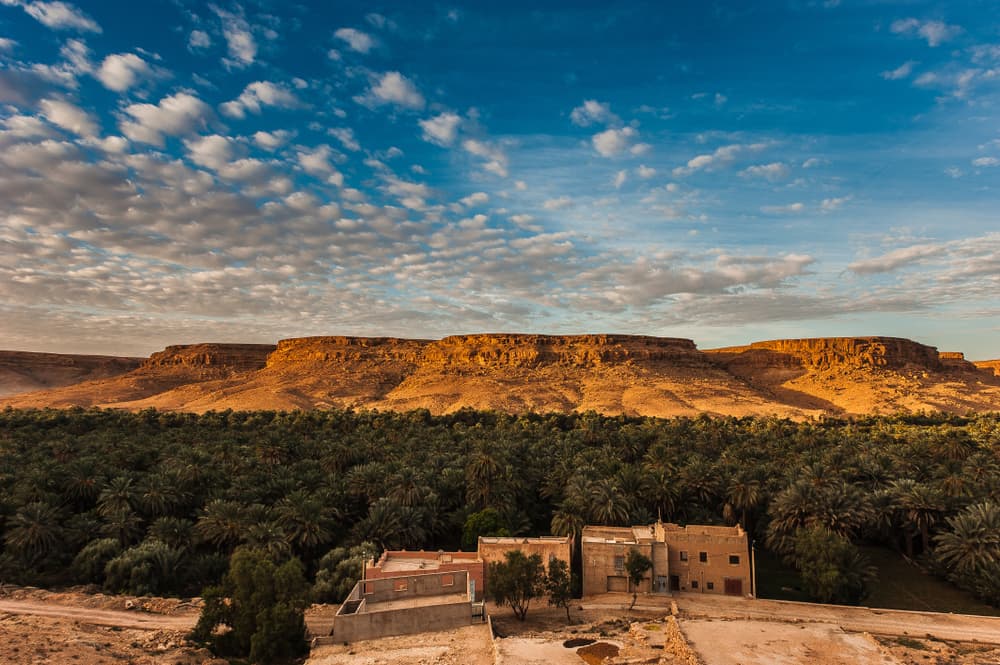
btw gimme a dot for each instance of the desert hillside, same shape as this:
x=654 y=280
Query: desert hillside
x=23 y=371
x=611 y=374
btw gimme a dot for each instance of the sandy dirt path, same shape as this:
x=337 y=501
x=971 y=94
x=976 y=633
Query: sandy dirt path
x=140 y=620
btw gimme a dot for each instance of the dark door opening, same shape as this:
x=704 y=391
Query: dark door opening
x=675 y=582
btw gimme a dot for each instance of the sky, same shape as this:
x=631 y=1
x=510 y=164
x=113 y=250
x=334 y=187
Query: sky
x=178 y=172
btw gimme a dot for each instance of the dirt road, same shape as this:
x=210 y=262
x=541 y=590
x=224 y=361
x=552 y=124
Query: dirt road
x=139 y=620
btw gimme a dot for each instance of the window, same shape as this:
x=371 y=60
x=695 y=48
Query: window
x=694 y=584
x=684 y=555
x=619 y=563
x=734 y=559
x=710 y=585
x=703 y=557
x=447 y=580
x=399 y=585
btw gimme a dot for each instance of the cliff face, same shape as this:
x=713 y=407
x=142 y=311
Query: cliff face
x=24 y=371
x=346 y=349
x=532 y=351
x=225 y=358
x=613 y=374
x=822 y=353
x=989 y=366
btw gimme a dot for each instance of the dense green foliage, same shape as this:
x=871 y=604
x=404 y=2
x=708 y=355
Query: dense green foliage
x=833 y=570
x=258 y=612
x=154 y=502
x=516 y=581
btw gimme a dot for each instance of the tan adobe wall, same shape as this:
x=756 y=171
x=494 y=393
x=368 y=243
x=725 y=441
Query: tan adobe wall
x=403 y=621
x=404 y=605
x=495 y=549
x=604 y=565
x=437 y=562
x=718 y=546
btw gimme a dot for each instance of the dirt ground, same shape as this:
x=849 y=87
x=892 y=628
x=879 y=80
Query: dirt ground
x=76 y=627
x=736 y=642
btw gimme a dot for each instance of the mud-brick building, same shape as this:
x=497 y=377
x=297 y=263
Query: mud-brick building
x=495 y=548
x=405 y=605
x=404 y=563
x=704 y=559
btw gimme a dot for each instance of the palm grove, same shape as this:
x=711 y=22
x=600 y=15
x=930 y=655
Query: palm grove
x=156 y=503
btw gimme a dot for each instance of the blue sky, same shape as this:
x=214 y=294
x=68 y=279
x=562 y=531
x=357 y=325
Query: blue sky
x=726 y=172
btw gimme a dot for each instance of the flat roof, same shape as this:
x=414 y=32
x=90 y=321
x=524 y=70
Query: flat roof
x=519 y=540
x=373 y=607
x=393 y=564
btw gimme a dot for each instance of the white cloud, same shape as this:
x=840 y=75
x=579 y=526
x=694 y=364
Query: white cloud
x=272 y=140
x=559 y=203
x=620 y=178
x=831 y=204
x=813 y=162
x=645 y=172
x=896 y=259
x=212 y=151
x=593 y=112
x=442 y=129
x=935 y=32
x=121 y=71
x=346 y=137
x=496 y=159
x=475 y=199
x=986 y=161
x=240 y=42
x=773 y=171
x=724 y=155
x=58 y=15
x=69 y=117
x=901 y=72
x=199 y=39
x=258 y=94
x=613 y=141
x=357 y=40
x=393 y=88
x=520 y=185
x=791 y=208
x=7 y=44
x=640 y=149
x=175 y=115
x=316 y=162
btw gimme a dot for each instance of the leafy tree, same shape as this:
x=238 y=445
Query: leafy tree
x=486 y=522
x=559 y=585
x=339 y=570
x=515 y=581
x=150 y=568
x=89 y=563
x=263 y=606
x=969 y=553
x=637 y=565
x=833 y=570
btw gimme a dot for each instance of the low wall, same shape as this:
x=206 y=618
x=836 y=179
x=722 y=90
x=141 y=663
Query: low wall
x=403 y=621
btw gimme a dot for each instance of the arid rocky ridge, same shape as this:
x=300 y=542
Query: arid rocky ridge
x=23 y=371
x=612 y=374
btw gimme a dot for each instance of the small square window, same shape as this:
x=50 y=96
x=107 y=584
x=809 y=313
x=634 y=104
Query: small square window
x=684 y=555
x=399 y=585
x=710 y=585
x=619 y=563
x=447 y=580
x=694 y=584
x=734 y=559
x=703 y=557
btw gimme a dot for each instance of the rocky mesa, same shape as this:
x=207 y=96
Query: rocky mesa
x=23 y=371
x=613 y=374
